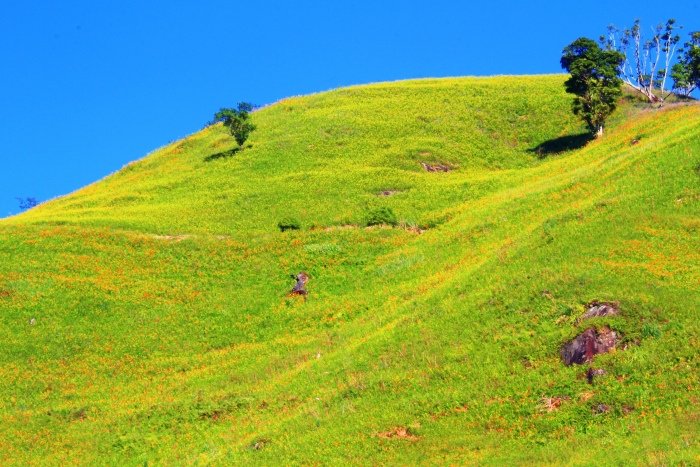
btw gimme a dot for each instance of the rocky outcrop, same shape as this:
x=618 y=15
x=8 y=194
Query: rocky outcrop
x=588 y=344
x=596 y=308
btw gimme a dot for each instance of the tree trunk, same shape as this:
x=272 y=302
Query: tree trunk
x=599 y=133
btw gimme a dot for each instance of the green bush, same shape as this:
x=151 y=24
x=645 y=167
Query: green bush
x=381 y=216
x=651 y=330
x=289 y=223
x=237 y=121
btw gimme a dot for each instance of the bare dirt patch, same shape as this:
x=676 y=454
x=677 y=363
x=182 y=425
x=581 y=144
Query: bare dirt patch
x=388 y=192
x=259 y=444
x=550 y=404
x=214 y=415
x=414 y=229
x=340 y=227
x=436 y=167
x=172 y=238
x=399 y=432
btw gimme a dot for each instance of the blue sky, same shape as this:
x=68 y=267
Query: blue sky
x=87 y=86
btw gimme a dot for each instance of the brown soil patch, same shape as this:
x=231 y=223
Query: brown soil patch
x=550 y=404
x=5 y=293
x=388 y=192
x=259 y=444
x=80 y=414
x=214 y=415
x=436 y=167
x=399 y=432
x=340 y=227
x=414 y=229
x=172 y=238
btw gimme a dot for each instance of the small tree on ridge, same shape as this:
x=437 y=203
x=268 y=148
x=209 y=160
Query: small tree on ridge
x=646 y=63
x=237 y=121
x=594 y=81
x=686 y=73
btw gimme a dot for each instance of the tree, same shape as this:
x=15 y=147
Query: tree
x=686 y=73
x=650 y=65
x=237 y=121
x=594 y=81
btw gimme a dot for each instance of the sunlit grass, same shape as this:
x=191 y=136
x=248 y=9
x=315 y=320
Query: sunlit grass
x=162 y=331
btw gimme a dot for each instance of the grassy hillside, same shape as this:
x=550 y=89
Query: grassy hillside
x=145 y=317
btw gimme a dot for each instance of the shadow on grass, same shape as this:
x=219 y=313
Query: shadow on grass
x=223 y=154
x=561 y=144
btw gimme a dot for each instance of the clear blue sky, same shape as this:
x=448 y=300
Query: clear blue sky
x=87 y=86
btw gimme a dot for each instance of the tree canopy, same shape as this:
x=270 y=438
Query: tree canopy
x=686 y=73
x=237 y=120
x=594 y=81
x=646 y=62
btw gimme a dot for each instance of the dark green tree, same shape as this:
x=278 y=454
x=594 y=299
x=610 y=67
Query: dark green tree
x=27 y=203
x=237 y=121
x=594 y=81
x=686 y=73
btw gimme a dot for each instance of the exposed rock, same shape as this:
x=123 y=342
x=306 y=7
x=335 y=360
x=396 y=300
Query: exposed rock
x=436 y=167
x=259 y=444
x=589 y=343
x=601 y=408
x=596 y=308
x=300 y=287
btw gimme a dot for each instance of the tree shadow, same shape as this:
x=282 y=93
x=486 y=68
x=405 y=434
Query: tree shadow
x=561 y=144
x=222 y=154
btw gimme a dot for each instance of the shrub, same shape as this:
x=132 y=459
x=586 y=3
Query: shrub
x=381 y=216
x=237 y=121
x=289 y=223
x=650 y=330
x=27 y=203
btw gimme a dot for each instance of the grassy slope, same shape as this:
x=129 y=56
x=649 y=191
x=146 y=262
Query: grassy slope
x=149 y=347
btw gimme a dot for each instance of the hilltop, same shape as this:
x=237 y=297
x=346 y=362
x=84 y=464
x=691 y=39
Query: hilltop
x=145 y=317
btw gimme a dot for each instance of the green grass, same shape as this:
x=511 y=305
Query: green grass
x=163 y=332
